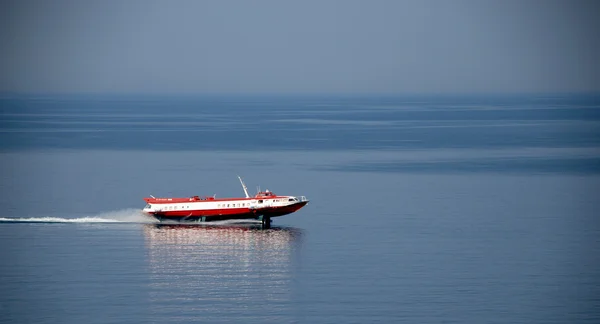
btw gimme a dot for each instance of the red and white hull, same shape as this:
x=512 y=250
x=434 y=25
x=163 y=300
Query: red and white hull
x=262 y=206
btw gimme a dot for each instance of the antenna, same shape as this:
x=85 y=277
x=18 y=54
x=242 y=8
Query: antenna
x=152 y=196
x=244 y=186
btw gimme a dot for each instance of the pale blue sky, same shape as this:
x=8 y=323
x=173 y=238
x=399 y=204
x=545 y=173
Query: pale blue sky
x=394 y=47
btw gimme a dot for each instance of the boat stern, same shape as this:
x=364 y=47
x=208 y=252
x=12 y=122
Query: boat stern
x=150 y=209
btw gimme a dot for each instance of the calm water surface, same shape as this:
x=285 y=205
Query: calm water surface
x=423 y=210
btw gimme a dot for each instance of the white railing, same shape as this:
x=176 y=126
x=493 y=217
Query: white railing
x=302 y=198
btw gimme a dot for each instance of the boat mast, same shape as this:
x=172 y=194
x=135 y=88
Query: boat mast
x=244 y=186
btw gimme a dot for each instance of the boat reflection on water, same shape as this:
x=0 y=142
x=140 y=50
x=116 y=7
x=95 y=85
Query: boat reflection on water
x=211 y=268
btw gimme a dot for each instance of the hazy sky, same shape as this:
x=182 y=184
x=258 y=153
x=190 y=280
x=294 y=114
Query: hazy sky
x=299 y=46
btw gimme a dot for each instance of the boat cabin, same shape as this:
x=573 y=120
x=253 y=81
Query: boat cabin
x=265 y=194
x=198 y=198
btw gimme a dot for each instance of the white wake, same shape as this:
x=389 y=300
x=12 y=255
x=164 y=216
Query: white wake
x=124 y=216
x=130 y=215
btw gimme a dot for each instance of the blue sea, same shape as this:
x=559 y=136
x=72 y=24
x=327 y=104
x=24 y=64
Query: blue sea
x=423 y=209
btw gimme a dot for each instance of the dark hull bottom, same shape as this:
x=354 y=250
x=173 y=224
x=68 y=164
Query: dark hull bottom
x=195 y=219
x=265 y=221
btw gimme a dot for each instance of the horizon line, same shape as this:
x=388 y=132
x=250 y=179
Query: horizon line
x=4 y=94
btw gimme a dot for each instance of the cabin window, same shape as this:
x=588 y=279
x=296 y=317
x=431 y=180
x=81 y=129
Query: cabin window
x=148 y=206
x=260 y=201
x=227 y=205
